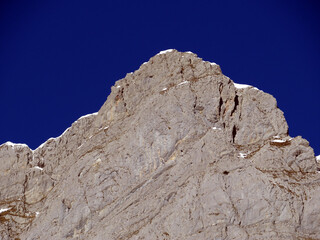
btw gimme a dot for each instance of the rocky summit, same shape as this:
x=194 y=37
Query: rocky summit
x=178 y=151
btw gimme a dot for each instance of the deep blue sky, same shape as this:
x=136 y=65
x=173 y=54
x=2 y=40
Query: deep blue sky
x=58 y=59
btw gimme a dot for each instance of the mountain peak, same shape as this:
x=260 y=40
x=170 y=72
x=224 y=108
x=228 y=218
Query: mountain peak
x=178 y=151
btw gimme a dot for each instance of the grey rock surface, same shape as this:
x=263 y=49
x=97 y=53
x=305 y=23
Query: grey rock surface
x=178 y=151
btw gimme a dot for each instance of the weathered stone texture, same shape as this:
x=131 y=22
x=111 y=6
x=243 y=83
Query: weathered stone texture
x=178 y=151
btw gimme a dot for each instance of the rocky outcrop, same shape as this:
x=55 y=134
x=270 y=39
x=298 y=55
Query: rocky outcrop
x=178 y=151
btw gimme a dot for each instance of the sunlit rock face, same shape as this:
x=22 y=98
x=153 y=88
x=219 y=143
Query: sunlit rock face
x=178 y=151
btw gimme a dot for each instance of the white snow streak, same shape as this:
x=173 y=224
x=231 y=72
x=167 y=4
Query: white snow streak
x=37 y=167
x=4 y=210
x=242 y=155
x=184 y=82
x=165 y=51
x=279 y=140
x=88 y=115
x=241 y=86
x=318 y=158
x=11 y=144
x=215 y=128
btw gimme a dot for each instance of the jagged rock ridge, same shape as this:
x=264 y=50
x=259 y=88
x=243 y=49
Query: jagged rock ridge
x=178 y=151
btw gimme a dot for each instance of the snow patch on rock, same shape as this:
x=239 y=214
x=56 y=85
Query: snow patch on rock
x=4 y=210
x=39 y=168
x=242 y=155
x=243 y=86
x=165 y=51
x=279 y=140
x=182 y=83
x=13 y=145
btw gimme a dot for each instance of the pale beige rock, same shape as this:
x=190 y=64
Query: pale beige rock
x=178 y=151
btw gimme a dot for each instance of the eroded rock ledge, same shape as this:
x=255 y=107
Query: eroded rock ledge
x=178 y=151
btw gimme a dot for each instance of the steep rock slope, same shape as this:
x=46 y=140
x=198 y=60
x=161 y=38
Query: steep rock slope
x=178 y=151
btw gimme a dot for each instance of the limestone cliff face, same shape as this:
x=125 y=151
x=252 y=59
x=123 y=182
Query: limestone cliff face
x=178 y=151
